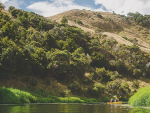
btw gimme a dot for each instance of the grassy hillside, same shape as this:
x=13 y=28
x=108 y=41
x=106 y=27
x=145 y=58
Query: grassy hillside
x=46 y=58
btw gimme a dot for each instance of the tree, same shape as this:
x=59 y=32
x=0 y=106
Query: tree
x=98 y=60
x=9 y=30
x=58 y=63
x=24 y=22
x=64 y=20
x=2 y=5
x=11 y=8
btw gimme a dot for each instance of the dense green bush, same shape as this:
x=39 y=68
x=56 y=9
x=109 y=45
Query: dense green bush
x=140 y=19
x=95 y=91
x=79 y=22
x=99 y=15
x=15 y=96
x=2 y=6
x=102 y=75
x=113 y=87
x=141 y=97
x=8 y=97
x=135 y=85
x=64 y=20
x=75 y=87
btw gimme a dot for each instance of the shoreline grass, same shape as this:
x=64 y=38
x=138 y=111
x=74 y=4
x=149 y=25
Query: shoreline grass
x=16 y=96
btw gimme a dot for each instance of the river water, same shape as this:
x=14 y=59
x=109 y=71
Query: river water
x=71 y=108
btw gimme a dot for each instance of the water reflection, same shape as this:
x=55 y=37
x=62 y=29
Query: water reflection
x=71 y=108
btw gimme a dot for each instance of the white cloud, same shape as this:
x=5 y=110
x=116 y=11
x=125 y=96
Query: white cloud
x=54 y=7
x=4 y=1
x=14 y=3
x=142 y=6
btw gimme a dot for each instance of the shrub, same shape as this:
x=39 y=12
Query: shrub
x=87 y=81
x=141 y=98
x=2 y=5
x=79 y=21
x=115 y=75
x=75 y=87
x=11 y=8
x=124 y=91
x=96 y=91
x=70 y=100
x=125 y=37
x=99 y=15
x=135 y=85
x=64 y=20
x=103 y=74
x=112 y=87
x=106 y=99
x=8 y=97
x=24 y=97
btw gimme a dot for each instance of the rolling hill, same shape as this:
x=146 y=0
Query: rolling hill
x=91 y=54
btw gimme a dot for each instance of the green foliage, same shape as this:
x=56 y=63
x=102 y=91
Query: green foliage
x=128 y=58
x=99 y=15
x=9 y=30
x=2 y=6
x=98 y=60
x=135 y=85
x=75 y=87
x=11 y=8
x=141 y=97
x=15 y=96
x=79 y=21
x=102 y=75
x=113 y=87
x=64 y=20
x=95 y=91
x=106 y=99
x=70 y=100
x=140 y=19
x=115 y=75
x=8 y=97
x=14 y=12
x=58 y=62
x=23 y=96
x=24 y=21
x=125 y=37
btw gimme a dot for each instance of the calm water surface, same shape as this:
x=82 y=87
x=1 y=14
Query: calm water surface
x=71 y=108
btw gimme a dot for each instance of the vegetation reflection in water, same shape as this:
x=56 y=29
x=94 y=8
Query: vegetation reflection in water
x=71 y=108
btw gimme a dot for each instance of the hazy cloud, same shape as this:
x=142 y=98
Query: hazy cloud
x=4 y=1
x=142 y=6
x=54 y=7
x=14 y=3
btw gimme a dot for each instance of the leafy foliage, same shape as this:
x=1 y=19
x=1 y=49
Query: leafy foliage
x=141 y=98
x=34 y=46
x=140 y=19
x=99 y=15
x=64 y=20
x=2 y=5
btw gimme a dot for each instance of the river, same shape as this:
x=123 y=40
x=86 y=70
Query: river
x=71 y=108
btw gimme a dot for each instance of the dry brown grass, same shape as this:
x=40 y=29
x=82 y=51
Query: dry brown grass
x=116 y=28
x=6 y=11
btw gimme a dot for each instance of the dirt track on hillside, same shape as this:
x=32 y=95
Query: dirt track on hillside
x=145 y=47
x=118 y=38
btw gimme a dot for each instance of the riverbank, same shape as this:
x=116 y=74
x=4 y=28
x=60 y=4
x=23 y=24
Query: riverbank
x=16 y=96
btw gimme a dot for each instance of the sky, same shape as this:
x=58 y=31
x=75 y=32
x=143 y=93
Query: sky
x=52 y=7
